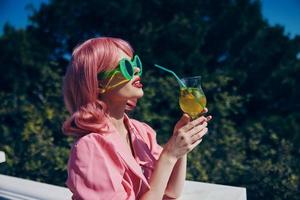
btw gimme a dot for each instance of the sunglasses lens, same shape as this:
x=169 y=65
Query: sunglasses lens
x=128 y=67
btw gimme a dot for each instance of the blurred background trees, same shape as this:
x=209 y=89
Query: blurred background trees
x=250 y=74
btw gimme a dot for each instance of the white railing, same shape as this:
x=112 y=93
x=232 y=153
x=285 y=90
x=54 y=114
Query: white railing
x=21 y=189
x=14 y=188
x=2 y=156
x=18 y=188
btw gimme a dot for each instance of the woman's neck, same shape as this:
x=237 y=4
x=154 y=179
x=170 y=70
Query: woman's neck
x=116 y=111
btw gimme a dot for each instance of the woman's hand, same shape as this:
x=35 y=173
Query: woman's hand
x=186 y=136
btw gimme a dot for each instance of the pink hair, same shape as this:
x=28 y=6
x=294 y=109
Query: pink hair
x=80 y=86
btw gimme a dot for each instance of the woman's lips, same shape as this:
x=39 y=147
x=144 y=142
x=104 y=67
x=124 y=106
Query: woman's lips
x=136 y=83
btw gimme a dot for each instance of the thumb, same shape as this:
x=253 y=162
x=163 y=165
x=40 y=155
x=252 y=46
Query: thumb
x=182 y=121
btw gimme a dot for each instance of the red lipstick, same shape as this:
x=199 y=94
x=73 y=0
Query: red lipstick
x=136 y=83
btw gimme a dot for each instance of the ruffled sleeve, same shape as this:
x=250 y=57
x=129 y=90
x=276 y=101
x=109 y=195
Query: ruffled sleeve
x=94 y=172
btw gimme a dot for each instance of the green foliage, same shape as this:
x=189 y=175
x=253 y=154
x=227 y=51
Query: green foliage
x=250 y=75
x=31 y=113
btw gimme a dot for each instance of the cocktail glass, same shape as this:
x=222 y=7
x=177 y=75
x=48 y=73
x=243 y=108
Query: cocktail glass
x=192 y=99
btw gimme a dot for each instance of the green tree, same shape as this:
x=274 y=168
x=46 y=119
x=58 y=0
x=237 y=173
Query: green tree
x=31 y=110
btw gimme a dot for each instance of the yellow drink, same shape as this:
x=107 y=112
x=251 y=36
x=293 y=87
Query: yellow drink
x=192 y=101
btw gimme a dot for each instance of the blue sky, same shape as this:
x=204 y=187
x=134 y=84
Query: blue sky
x=15 y=13
x=284 y=12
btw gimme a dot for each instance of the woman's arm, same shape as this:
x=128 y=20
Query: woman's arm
x=160 y=176
x=177 y=178
x=185 y=139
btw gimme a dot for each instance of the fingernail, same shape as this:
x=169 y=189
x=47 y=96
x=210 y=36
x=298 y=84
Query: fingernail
x=206 y=132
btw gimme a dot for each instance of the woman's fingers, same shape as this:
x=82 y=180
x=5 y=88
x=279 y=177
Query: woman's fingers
x=198 y=135
x=190 y=134
x=196 y=122
x=193 y=123
x=187 y=138
x=208 y=118
x=197 y=129
x=182 y=121
x=192 y=146
x=205 y=110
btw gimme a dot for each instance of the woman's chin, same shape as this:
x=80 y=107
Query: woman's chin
x=139 y=94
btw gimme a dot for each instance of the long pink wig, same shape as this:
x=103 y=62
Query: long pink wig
x=80 y=86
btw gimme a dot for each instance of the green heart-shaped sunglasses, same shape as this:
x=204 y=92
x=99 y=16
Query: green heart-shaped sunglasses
x=126 y=68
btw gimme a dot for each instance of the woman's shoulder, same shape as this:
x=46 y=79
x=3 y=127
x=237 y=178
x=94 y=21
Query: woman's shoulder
x=91 y=137
x=89 y=141
x=93 y=144
x=91 y=151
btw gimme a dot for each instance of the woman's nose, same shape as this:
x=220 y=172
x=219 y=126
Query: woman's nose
x=136 y=70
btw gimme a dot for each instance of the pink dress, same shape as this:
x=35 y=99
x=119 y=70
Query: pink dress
x=101 y=166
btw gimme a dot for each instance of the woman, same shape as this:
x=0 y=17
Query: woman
x=115 y=157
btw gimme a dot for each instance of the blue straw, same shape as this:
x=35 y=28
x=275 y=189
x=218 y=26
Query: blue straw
x=170 y=71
